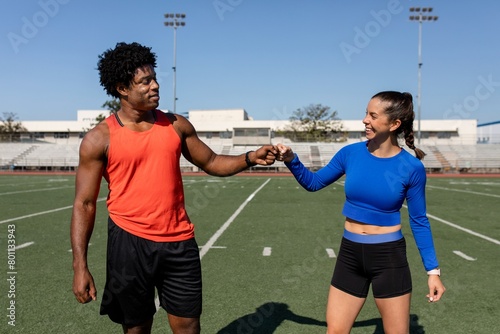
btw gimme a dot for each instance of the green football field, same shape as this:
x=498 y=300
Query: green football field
x=268 y=249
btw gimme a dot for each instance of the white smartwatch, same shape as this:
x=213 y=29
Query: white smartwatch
x=436 y=271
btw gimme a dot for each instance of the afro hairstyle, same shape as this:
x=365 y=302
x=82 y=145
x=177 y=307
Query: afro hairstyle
x=118 y=66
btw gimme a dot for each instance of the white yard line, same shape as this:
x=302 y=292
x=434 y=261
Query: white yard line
x=464 y=256
x=465 y=229
x=458 y=227
x=330 y=252
x=267 y=251
x=215 y=247
x=34 y=190
x=43 y=212
x=455 y=225
x=210 y=243
x=205 y=248
x=464 y=191
x=26 y=244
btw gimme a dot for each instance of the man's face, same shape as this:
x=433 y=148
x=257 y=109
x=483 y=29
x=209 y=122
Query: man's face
x=143 y=91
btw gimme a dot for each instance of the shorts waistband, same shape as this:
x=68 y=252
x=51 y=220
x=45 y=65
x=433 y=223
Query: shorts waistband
x=373 y=238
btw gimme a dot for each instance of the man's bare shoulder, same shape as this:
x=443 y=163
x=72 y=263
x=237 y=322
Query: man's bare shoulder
x=181 y=124
x=176 y=118
x=96 y=141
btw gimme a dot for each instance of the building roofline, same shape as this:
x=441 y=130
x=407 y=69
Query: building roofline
x=489 y=123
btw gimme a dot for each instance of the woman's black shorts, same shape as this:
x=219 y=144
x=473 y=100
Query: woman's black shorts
x=383 y=265
x=136 y=266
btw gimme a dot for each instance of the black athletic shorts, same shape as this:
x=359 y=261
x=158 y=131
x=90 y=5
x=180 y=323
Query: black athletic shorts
x=383 y=265
x=136 y=266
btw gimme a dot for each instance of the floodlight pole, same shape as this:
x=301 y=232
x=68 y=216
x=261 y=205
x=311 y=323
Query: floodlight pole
x=420 y=18
x=175 y=20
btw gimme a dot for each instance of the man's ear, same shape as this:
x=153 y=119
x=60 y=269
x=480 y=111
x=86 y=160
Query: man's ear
x=122 y=89
x=395 y=125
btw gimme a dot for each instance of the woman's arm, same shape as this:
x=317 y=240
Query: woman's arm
x=311 y=181
x=422 y=234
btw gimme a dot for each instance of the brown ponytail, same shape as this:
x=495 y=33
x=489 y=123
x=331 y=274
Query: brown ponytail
x=400 y=106
x=410 y=142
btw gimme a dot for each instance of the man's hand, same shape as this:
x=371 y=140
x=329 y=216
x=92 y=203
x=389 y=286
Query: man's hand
x=264 y=156
x=83 y=286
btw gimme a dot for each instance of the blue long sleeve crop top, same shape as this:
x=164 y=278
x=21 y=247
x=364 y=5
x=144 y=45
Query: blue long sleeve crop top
x=375 y=190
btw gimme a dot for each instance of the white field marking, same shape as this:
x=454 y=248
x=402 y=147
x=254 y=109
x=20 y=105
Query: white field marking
x=465 y=230
x=215 y=247
x=212 y=180
x=26 y=244
x=43 y=212
x=33 y=190
x=464 y=191
x=458 y=227
x=213 y=238
x=23 y=184
x=462 y=255
x=221 y=230
x=475 y=182
x=193 y=181
x=331 y=253
x=267 y=251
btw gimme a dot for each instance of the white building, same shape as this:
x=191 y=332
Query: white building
x=226 y=125
x=488 y=133
x=452 y=145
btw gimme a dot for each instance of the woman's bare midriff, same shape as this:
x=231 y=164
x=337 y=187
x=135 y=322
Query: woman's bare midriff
x=354 y=226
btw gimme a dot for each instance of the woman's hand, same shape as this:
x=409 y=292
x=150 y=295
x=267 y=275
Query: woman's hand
x=285 y=153
x=436 y=288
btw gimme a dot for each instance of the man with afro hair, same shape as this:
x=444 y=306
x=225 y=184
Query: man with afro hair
x=151 y=243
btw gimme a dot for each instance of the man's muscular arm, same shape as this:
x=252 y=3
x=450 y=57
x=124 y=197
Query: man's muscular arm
x=88 y=180
x=198 y=153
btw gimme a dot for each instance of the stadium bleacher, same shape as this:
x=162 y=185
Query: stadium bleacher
x=480 y=158
x=38 y=156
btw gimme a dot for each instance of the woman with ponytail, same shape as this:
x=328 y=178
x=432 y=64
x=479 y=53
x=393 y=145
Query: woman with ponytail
x=380 y=176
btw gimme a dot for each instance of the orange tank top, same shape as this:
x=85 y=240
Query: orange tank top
x=146 y=196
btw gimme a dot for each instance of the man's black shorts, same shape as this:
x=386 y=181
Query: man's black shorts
x=382 y=265
x=135 y=266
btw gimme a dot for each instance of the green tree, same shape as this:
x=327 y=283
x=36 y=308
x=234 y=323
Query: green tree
x=98 y=119
x=315 y=123
x=10 y=128
x=112 y=105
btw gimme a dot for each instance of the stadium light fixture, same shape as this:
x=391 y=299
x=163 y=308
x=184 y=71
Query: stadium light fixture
x=420 y=15
x=175 y=20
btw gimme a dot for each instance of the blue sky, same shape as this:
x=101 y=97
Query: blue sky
x=268 y=57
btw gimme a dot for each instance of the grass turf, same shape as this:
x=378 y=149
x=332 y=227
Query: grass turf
x=244 y=291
